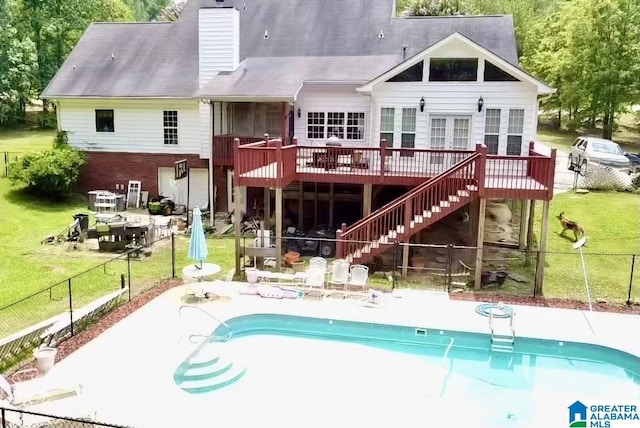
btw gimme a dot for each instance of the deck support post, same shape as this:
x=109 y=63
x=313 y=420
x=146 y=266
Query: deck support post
x=300 y=205
x=405 y=258
x=367 y=191
x=522 y=233
x=237 y=222
x=279 y=214
x=530 y=220
x=331 y=204
x=537 y=292
x=480 y=242
x=267 y=209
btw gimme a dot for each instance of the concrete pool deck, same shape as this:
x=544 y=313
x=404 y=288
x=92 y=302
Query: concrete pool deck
x=127 y=371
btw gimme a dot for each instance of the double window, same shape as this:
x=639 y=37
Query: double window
x=344 y=125
x=170 y=125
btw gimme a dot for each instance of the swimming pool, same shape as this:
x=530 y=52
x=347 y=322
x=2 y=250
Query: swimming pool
x=411 y=369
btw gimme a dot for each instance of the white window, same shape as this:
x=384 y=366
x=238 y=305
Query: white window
x=170 y=123
x=514 y=132
x=315 y=125
x=355 y=126
x=387 y=119
x=492 y=130
x=408 y=136
x=344 y=125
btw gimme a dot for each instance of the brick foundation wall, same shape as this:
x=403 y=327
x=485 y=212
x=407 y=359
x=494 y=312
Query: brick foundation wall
x=104 y=170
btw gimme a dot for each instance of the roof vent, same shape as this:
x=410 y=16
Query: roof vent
x=113 y=56
x=244 y=6
x=266 y=34
x=381 y=35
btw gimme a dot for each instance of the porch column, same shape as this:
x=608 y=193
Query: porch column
x=278 y=228
x=367 y=190
x=531 y=218
x=522 y=233
x=541 y=250
x=237 y=223
x=480 y=242
x=212 y=181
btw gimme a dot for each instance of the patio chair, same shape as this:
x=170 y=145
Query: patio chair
x=314 y=281
x=35 y=391
x=319 y=262
x=358 y=276
x=339 y=273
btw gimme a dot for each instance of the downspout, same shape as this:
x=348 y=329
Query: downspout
x=212 y=202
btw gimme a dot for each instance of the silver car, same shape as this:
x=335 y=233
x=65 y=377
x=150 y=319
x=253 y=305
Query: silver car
x=591 y=150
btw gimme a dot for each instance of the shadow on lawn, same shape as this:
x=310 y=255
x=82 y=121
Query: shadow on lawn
x=26 y=199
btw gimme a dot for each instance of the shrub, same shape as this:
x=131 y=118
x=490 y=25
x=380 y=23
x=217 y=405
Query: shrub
x=53 y=173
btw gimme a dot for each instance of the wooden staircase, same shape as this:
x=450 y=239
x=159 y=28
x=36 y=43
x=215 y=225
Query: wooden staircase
x=413 y=212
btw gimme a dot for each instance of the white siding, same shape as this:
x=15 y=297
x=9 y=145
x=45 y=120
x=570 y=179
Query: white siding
x=138 y=125
x=219 y=41
x=329 y=98
x=458 y=99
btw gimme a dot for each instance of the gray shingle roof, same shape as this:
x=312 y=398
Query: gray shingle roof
x=264 y=77
x=161 y=59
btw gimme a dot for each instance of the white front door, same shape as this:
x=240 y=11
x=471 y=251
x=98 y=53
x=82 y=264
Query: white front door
x=449 y=133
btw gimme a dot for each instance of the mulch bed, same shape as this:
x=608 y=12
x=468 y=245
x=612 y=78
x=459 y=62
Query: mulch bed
x=70 y=345
x=546 y=302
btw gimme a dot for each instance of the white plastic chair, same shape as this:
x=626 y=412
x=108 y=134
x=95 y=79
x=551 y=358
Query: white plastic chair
x=358 y=276
x=340 y=273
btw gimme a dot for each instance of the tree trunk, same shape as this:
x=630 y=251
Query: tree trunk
x=607 y=125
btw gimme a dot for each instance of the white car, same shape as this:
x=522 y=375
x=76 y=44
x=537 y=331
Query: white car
x=591 y=150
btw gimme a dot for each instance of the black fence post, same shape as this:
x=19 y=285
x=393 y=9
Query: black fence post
x=129 y=273
x=449 y=267
x=173 y=256
x=3 y=417
x=70 y=306
x=633 y=263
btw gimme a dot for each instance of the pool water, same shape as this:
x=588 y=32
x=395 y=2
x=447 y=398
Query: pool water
x=376 y=373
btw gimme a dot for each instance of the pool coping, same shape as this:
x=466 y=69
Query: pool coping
x=144 y=346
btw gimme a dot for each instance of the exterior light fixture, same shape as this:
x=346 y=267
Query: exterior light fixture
x=299 y=113
x=480 y=104
x=422 y=104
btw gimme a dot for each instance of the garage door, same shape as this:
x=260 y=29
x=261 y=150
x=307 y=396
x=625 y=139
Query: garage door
x=198 y=186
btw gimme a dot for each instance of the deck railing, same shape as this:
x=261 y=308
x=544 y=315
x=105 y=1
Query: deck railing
x=272 y=163
x=223 y=148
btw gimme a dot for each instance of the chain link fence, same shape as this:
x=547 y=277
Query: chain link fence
x=17 y=418
x=60 y=310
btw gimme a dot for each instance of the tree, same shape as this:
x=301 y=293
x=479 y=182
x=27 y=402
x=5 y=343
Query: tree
x=17 y=68
x=434 y=8
x=589 y=51
x=171 y=12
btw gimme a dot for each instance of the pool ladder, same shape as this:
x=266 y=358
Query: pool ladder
x=501 y=340
x=211 y=337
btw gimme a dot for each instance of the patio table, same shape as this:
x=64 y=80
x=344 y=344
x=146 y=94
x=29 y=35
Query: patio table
x=199 y=273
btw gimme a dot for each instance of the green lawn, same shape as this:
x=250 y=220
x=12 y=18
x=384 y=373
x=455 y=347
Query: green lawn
x=26 y=140
x=611 y=222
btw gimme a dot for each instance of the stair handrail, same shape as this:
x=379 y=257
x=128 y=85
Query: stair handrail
x=401 y=200
x=220 y=338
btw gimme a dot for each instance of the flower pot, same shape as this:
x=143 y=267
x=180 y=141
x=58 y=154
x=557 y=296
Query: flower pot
x=298 y=266
x=252 y=276
x=501 y=277
x=291 y=256
x=45 y=359
x=485 y=278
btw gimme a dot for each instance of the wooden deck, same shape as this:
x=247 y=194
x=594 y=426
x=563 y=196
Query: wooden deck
x=269 y=164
